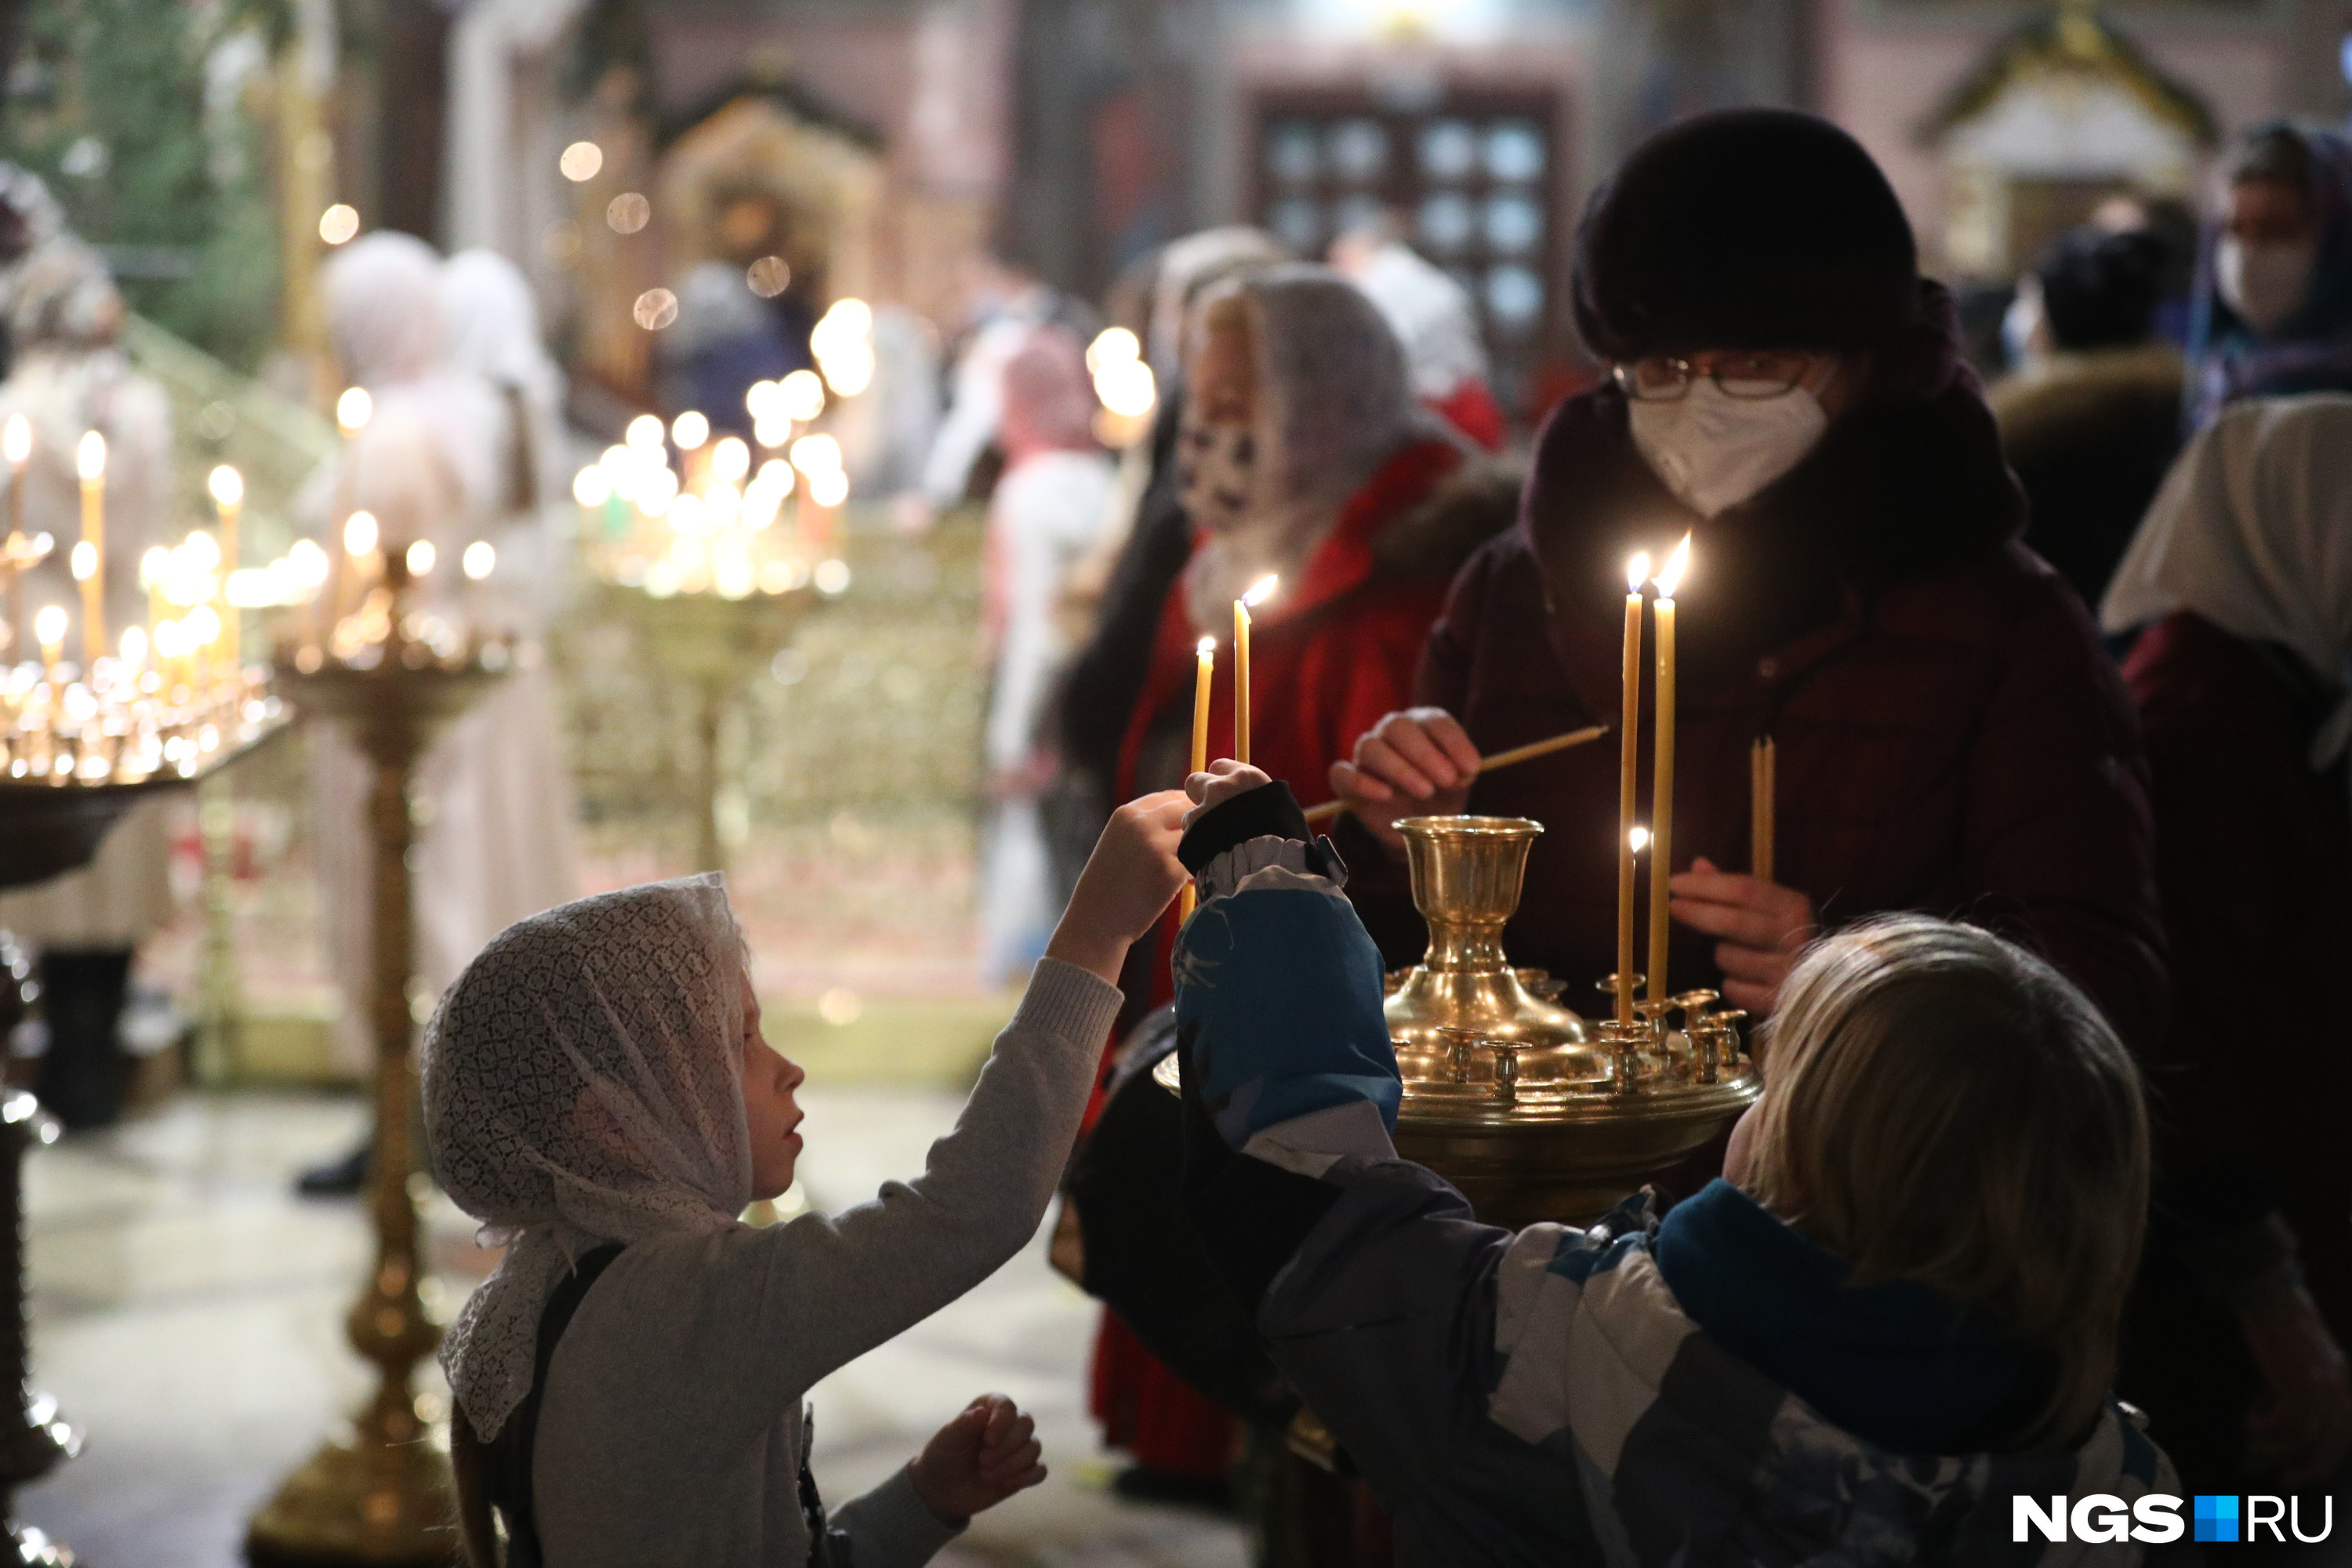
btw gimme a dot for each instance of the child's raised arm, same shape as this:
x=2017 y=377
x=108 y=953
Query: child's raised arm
x=807 y=1296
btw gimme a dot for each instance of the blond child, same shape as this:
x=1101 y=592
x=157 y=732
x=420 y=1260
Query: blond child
x=1895 y=1313
x=629 y=1381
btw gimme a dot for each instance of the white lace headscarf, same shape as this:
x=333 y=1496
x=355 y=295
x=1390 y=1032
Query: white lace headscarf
x=2252 y=531
x=580 y=1087
x=1333 y=404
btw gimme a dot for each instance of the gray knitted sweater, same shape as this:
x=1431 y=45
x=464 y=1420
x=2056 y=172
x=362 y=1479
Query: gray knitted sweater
x=671 y=1429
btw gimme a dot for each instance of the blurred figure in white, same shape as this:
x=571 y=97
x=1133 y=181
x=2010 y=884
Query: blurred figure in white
x=450 y=454
x=1005 y=303
x=1433 y=318
x=69 y=377
x=1046 y=511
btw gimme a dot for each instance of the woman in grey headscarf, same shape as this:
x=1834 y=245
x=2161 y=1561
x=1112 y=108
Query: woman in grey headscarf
x=2239 y=587
x=1302 y=454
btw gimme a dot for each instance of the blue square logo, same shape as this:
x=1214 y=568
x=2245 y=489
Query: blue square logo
x=2216 y=1517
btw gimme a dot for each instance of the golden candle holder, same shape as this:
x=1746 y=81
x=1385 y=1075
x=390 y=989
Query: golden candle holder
x=714 y=643
x=382 y=1495
x=1531 y=1113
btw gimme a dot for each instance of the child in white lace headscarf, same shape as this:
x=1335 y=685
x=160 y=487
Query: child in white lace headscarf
x=597 y=1092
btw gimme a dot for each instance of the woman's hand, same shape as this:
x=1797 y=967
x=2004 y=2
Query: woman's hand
x=1224 y=779
x=1128 y=880
x=977 y=1460
x=1764 y=928
x=2304 y=1429
x=1417 y=762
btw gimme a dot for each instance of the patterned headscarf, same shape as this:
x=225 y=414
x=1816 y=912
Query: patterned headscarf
x=581 y=1087
x=1333 y=404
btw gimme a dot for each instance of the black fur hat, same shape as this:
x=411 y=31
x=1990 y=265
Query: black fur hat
x=1757 y=229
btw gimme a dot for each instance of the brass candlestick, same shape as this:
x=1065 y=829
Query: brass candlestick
x=381 y=1496
x=713 y=644
x=1516 y=1102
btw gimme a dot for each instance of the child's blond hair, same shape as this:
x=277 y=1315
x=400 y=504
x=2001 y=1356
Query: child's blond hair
x=1941 y=1106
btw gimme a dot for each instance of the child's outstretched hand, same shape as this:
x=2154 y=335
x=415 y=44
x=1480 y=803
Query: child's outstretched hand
x=1128 y=880
x=1225 y=779
x=977 y=1460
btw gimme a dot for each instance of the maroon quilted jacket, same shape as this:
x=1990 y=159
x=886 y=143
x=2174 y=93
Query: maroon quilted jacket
x=1952 y=737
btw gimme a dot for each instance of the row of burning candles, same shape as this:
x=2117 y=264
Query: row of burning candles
x=190 y=578
x=711 y=523
x=174 y=695
x=1632 y=838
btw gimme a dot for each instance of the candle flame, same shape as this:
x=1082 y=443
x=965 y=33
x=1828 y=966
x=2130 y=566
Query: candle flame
x=49 y=626
x=1637 y=572
x=354 y=409
x=85 y=561
x=17 y=440
x=135 y=645
x=227 y=485
x=1262 y=590
x=481 y=558
x=359 y=534
x=1676 y=564
x=1205 y=647
x=1639 y=838
x=420 y=556
x=90 y=460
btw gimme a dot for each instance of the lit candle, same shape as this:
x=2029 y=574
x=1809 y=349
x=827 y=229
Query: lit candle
x=16 y=445
x=50 y=626
x=359 y=543
x=1763 y=784
x=1637 y=571
x=91 y=461
x=228 y=496
x=1202 y=677
x=1259 y=592
x=1661 y=780
x=354 y=409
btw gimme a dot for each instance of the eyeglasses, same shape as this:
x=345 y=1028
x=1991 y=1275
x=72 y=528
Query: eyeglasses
x=1662 y=378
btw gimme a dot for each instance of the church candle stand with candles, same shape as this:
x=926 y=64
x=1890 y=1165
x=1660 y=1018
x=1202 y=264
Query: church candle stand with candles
x=715 y=561
x=1531 y=1111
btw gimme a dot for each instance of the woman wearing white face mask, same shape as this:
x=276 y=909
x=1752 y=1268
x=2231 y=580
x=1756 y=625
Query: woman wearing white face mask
x=2274 y=307
x=1788 y=391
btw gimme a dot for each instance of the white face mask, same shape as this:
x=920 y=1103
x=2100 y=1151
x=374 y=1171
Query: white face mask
x=1217 y=473
x=2264 y=282
x=1714 y=451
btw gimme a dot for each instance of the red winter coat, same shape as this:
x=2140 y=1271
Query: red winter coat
x=1951 y=738
x=1335 y=652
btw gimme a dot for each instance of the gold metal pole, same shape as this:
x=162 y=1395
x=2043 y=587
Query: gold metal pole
x=383 y=1497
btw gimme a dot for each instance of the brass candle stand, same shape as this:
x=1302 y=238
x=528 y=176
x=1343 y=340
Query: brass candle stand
x=383 y=1496
x=1533 y=1113
x=713 y=643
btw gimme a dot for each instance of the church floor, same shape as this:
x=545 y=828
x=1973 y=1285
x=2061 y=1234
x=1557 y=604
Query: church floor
x=187 y=1315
